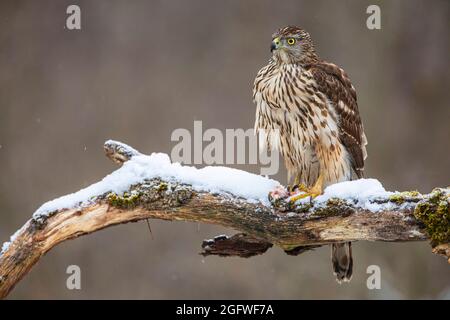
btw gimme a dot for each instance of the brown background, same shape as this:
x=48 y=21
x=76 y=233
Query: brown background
x=140 y=69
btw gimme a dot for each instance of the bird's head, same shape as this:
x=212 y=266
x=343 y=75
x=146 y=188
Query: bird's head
x=292 y=45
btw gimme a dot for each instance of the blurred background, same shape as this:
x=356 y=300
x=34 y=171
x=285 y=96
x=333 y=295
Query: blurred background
x=137 y=70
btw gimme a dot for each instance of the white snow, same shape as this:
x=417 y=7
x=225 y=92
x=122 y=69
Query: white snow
x=222 y=180
x=5 y=245
x=362 y=192
x=124 y=146
x=356 y=189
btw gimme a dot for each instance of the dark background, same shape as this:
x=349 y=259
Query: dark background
x=137 y=70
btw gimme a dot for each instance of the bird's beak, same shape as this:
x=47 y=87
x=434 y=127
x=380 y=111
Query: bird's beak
x=275 y=44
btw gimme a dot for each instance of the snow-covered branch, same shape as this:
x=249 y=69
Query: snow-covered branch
x=153 y=187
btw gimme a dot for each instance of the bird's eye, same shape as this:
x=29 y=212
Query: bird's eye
x=290 y=41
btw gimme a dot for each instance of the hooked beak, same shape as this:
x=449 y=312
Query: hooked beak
x=275 y=44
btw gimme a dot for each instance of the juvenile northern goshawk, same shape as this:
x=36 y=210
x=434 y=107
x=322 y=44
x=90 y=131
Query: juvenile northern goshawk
x=307 y=109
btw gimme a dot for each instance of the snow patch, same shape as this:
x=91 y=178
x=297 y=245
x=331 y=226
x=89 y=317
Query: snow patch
x=6 y=245
x=356 y=189
x=363 y=193
x=220 y=180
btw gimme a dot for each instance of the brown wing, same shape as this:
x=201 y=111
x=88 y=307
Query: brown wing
x=335 y=84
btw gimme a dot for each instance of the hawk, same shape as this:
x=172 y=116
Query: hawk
x=306 y=109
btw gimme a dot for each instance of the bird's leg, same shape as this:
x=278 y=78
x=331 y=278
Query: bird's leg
x=317 y=189
x=292 y=187
x=314 y=191
x=297 y=186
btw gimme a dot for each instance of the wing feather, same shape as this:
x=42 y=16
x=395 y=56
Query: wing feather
x=335 y=84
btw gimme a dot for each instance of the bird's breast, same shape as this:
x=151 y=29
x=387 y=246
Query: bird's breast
x=288 y=100
x=289 y=88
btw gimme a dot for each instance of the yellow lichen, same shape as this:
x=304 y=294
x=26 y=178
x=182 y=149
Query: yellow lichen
x=125 y=201
x=162 y=186
x=401 y=197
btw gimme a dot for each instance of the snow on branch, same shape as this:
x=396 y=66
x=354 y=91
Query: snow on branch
x=151 y=186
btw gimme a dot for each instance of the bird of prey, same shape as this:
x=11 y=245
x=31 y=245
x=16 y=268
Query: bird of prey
x=306 y=109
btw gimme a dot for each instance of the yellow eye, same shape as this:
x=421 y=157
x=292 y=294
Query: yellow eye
x=290 y=41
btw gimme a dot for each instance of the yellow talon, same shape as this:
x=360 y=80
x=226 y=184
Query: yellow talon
x=298 y=197
x=303 y=188
x=305 y=192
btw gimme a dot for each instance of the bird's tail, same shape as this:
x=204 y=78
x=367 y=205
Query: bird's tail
x=341 y=256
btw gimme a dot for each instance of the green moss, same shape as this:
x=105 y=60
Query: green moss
x=401 y=197
x=434 y=213
x=334 y=207
x=126 y=201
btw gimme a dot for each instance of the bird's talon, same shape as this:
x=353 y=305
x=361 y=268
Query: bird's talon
x=298 y=196
x=302 y=195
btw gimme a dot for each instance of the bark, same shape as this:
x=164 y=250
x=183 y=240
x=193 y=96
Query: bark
x=294 y=228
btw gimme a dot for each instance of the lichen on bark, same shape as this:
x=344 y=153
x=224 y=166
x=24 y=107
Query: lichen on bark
x=434 y=213
x=151 y=193
x=401 y=197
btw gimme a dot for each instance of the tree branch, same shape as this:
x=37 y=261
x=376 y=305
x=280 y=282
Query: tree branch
x=289 y=226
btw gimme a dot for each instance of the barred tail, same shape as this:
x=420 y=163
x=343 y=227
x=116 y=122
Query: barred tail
x=341 y=256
